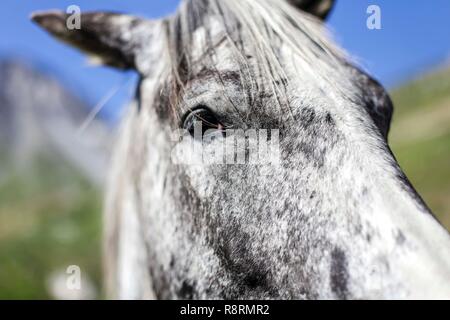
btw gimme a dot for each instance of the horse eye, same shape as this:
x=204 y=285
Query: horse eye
x=202 y=118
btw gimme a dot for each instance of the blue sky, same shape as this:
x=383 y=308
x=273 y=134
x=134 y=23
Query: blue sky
x=415 y=36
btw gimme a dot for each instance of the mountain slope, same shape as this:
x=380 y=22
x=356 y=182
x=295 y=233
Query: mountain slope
x=37 y=113
x=420 y=138
x=50 y=181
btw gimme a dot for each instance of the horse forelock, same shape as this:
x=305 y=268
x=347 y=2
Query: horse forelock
x=254 y=32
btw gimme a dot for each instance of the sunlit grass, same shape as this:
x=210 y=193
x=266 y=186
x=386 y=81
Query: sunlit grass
x=49 y=219
x=422 y=145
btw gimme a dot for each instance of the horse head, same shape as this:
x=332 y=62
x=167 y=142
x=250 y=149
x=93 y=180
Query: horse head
x=193 y=213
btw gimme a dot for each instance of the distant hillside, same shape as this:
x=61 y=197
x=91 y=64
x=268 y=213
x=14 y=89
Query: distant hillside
x=50 y=181
x=420 y=137
x=50 y=218
x=37 y=113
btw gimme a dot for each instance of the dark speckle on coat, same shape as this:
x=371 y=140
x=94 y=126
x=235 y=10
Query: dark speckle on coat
x=400 y=238
x=186 y=291
x=339 y=273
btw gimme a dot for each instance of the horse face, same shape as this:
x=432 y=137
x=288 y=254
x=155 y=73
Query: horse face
x=324 y=213
x=244 y=229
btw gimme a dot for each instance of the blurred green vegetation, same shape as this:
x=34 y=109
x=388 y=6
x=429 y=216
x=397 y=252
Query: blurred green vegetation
x=420 y=138
x=49 y=219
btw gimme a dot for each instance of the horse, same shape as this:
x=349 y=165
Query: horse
x=333 y=218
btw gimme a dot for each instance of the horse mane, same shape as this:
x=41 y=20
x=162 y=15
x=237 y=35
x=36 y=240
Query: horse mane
x=259 y=27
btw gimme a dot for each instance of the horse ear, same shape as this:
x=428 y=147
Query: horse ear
x=318 y=8
x=109 y=37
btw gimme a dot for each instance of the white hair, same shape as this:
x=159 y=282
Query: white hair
x=256 y=27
